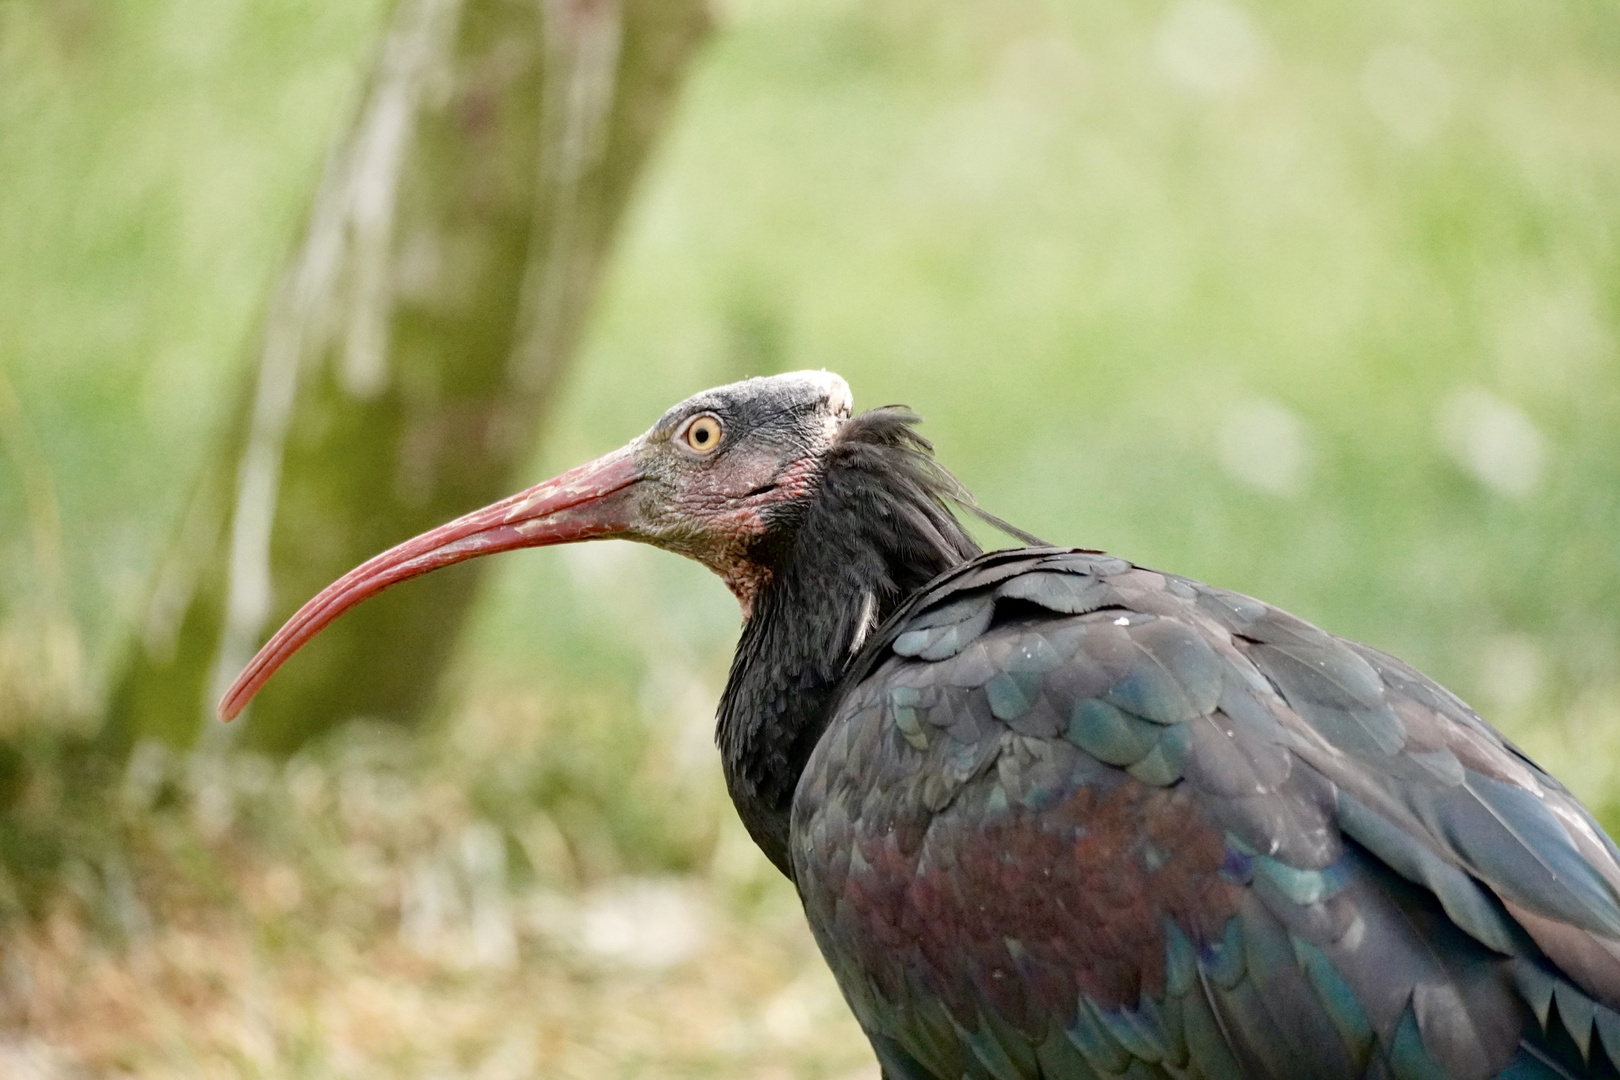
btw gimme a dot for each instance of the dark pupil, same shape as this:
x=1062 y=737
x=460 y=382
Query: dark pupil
x=701 y=435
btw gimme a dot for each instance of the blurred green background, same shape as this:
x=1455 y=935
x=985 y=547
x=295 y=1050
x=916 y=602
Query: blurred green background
x=1318 y=302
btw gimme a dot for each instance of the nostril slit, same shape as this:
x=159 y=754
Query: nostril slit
x=762 y=489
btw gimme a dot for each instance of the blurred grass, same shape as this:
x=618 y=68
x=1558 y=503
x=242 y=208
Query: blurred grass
x=380 y=906
x=1318 y=302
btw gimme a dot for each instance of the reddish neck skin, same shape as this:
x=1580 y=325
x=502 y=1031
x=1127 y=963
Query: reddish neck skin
x=813 y=556
x=729 y=504
x=746 y=580
x=715 y=516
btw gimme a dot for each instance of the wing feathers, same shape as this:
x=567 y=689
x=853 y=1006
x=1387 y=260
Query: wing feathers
x=1074 y=819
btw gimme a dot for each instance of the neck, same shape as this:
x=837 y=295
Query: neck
x=875 y=530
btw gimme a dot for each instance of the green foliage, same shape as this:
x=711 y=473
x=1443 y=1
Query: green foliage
x=1278 y=315
x=1326 y=311
x=155 y=159
x=1320 y=303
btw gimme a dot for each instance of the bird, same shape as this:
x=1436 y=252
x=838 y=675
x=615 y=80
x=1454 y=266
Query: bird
x=1055 y=816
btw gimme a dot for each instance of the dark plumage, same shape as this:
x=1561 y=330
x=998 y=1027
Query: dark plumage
x=876 y=531
x=1074 y=818
x=1053 y=815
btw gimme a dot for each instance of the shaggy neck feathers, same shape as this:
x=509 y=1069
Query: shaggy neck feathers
x=835 y=564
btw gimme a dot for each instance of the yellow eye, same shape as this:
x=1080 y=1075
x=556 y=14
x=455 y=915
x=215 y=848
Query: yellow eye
x=702 y=435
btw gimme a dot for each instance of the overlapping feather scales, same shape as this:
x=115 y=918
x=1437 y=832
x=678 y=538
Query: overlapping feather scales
x=1073 y=818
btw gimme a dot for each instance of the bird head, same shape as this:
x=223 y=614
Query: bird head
x=715 y=479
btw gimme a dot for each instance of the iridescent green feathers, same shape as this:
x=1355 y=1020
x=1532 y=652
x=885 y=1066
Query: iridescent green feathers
x=1074 y=818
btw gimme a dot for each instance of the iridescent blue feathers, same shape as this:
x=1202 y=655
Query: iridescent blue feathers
x=1073 y=818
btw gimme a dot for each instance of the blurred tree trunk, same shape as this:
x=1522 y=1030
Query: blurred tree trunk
x=451 y=253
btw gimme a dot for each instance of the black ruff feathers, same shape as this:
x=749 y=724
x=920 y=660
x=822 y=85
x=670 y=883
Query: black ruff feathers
x=877 y=527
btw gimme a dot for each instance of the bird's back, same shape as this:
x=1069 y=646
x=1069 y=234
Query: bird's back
x=1074 y=818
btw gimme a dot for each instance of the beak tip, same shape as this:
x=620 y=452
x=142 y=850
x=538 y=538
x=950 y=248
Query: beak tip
x=518 y=521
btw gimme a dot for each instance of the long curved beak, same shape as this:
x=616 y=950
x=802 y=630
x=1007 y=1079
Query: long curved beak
x=591 y=502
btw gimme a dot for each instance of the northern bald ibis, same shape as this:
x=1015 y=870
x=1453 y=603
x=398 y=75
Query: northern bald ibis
x=1052 y=815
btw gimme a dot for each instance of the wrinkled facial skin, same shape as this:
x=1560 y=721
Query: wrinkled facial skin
x=717 y=507
x=714 y=498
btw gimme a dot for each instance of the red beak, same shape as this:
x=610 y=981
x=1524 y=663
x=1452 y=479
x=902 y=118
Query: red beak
x=591 y=502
